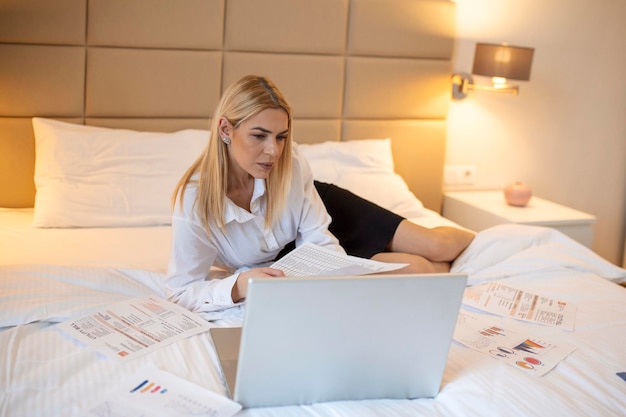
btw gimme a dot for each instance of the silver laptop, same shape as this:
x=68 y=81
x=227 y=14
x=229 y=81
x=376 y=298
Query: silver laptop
x=309 y=340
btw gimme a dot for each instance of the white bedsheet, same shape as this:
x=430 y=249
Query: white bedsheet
x=44 y=373
x=118 y=247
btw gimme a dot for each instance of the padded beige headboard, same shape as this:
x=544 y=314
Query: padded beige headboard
x=351 y=69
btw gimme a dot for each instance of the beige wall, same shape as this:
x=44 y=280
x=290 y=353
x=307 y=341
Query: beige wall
x=565 y=134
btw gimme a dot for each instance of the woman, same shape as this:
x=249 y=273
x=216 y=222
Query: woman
x=247 y=196
x=251 y=194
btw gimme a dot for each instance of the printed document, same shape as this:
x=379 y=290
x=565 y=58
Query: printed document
x=531 y=354
x=152 y=392
x=495 y=297
x=313 y=260
x=134 y=327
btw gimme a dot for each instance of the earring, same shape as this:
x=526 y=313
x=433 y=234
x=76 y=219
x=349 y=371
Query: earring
x=226 y=140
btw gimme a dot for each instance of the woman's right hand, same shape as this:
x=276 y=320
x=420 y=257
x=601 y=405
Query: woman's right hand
x=240 y=288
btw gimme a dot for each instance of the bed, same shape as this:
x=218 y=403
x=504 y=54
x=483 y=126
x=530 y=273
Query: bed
x=369 y=83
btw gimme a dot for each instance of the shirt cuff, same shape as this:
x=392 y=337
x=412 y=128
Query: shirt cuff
x=223 y=291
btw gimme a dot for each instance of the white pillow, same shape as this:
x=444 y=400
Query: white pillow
x=364 y=167
x=92 y=176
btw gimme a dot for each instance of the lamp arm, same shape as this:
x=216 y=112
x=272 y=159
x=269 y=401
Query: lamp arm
x=509 y=89
x=463 y=82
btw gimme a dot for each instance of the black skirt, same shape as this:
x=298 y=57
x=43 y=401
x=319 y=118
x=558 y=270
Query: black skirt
x=362 y=227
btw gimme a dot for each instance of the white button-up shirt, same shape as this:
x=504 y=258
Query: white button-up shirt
x=242 y=243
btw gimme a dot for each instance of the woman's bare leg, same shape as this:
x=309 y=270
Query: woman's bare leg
x=417 y=264
x=425 y=250
x=439 y=244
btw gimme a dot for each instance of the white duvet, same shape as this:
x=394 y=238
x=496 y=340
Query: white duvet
x=45 y=373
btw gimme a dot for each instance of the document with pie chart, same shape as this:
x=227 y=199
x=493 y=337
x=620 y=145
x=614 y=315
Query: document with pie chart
x=531 y=354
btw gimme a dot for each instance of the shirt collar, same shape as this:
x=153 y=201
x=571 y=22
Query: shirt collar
x=233 y=212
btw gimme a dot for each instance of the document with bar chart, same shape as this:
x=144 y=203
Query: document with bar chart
x=522 y=349
x=153 y=392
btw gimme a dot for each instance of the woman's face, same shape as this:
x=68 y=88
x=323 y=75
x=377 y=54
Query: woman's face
x=258 y=143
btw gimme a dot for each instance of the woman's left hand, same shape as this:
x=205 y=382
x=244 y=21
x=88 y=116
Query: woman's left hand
x=241 y=285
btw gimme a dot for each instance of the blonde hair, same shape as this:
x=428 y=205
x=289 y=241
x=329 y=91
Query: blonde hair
x=242 y=100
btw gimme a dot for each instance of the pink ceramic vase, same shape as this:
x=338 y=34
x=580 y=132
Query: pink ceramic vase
x=517 y=194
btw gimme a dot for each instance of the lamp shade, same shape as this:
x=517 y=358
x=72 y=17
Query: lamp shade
x=503 y=60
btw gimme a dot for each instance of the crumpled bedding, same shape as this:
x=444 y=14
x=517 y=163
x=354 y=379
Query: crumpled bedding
x=54 y=293
x=509 y=250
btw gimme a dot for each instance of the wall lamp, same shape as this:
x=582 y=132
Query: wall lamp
x=501 y=62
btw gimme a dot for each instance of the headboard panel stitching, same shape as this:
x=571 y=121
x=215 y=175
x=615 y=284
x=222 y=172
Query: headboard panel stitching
x=346 y=41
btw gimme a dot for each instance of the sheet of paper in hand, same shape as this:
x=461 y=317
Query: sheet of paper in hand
x=313 y=260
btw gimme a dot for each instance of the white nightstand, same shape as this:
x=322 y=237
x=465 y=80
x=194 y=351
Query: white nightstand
x=478 y=210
